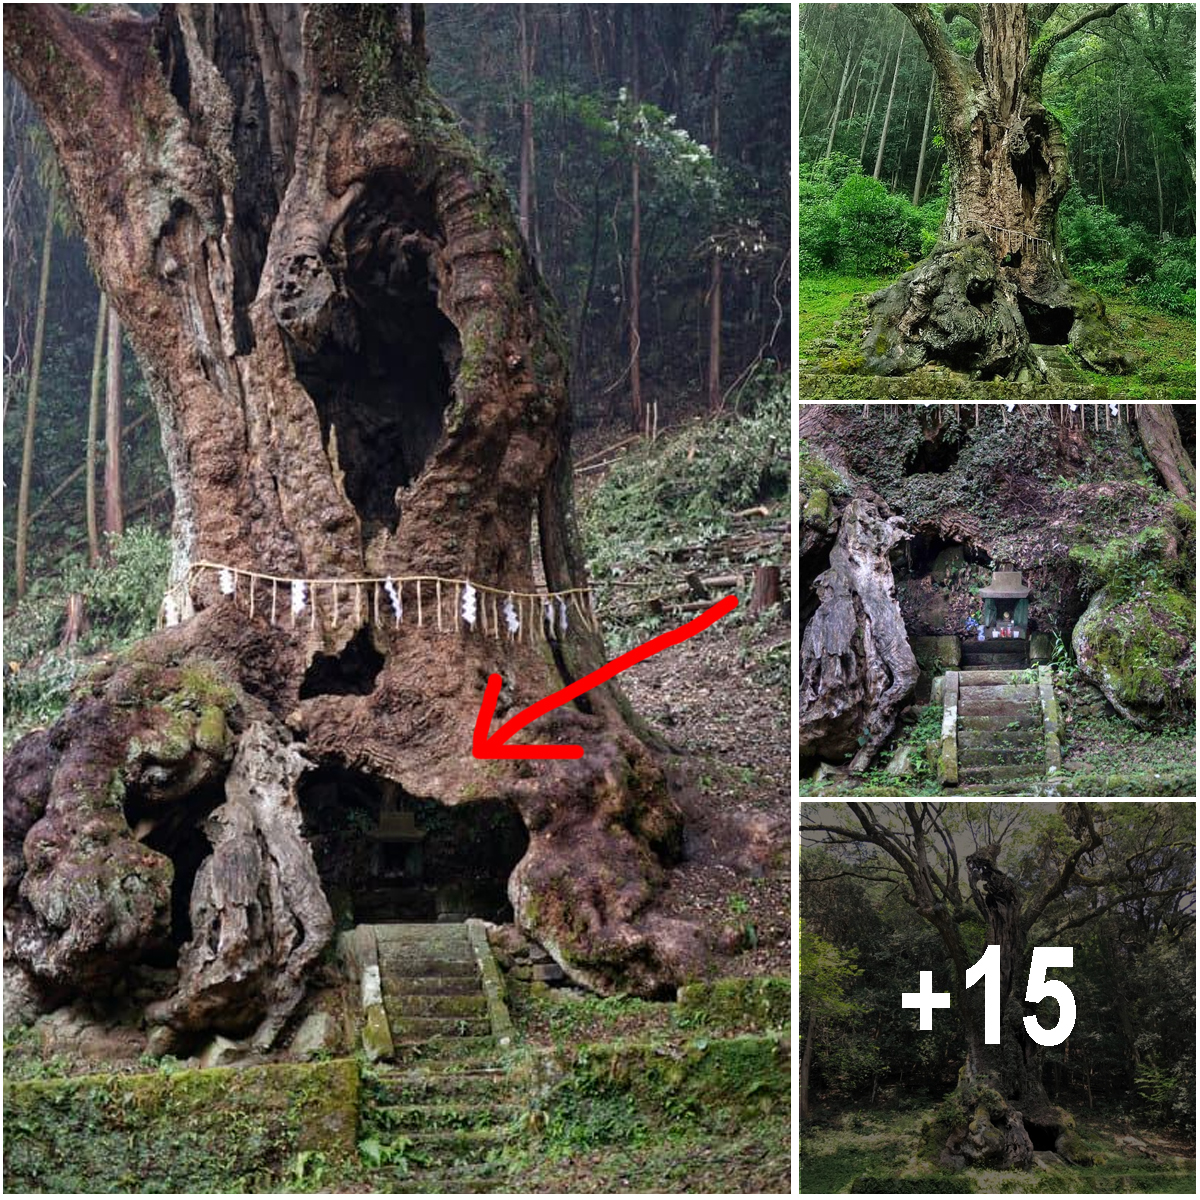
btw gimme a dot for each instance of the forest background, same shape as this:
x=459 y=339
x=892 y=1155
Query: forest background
x=872 y=1081
x=645 y=148
x=873 y=177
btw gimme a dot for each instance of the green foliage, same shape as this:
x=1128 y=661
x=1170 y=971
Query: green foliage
x=849 y=221
x=1112 y=255
x=121 y=599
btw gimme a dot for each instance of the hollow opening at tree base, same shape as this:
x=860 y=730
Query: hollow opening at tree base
x=1043 y=1137
x=1047 y=325
x=385 y=855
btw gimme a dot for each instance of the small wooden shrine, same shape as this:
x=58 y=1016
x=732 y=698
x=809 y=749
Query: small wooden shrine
x=1002 y=639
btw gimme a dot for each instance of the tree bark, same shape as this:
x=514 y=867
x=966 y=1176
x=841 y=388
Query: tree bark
x=806 y=1066
x=887 y=115
x=637 y=408
x=89 y=466
x=1160 y=438
x=997 y=281
x=114 y=503
x=31 y=396
x=714 y=273
x=924 y=143
x=527 y=190
x=856 y=666
x=837 y=108
x=358 y=373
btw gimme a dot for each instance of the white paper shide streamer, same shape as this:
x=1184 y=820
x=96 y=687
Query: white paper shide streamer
x=393 y=596
x=225 y=581
x=470 y=602
x=511 y=620
x=299 y=596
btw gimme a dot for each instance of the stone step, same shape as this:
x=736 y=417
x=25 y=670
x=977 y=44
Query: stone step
x=423 y=967
x=997 y=722
x=478 y=1052
x=398 y=1087
x=409 y=1005
x=433 y=985
x=408 y=1028
x=1018 y=693
x=969 y=775
x=1000 y=708
x=424 y=1118
x=1030 y=756
x=1029 y=739
x=450 y=1145
x=985 y=675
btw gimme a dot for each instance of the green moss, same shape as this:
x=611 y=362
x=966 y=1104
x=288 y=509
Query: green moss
x=187 y=1131
x=817 y=510
x=212 y=733
x=1071 y=1146
x=764 y=1001
x=813 y=473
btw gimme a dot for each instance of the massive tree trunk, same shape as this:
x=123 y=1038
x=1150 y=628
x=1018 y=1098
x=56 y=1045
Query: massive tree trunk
x=1159 y=434
x=856 y=666
x=996 y=282
x=359 y=378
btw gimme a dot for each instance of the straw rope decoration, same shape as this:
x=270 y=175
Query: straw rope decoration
x=513 y=615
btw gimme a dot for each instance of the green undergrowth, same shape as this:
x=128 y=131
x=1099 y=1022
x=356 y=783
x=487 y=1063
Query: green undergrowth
x=223 y=1130
x=666 y=508
x=121 y=598
x=879 y=1152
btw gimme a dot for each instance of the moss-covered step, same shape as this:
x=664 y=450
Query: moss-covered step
x=406 y=1028
x=1025 y=738
x=418 y=1118
x=436 y=1004
x=435 y=1086
x=1031 y=757
x=1016 y=693
x=968 y=775
x=479 y=1051
x=991 y=678
x=1023 y=717
x=461 y=983
x=184 y=1131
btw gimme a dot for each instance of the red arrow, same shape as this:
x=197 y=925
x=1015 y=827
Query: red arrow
x=495 y=745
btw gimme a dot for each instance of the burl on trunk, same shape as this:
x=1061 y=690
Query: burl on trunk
x=996 y=285
x=358 y=374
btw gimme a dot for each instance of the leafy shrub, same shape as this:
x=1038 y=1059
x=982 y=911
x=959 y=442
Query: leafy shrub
x=1171 y=285
x=877 y=231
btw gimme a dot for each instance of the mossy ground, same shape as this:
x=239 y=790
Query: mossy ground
x=697 y=1110
x=847 y=1152
x=832 y=309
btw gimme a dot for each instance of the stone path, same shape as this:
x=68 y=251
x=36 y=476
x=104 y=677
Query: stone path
x=1005 y=726
x=441 y=1093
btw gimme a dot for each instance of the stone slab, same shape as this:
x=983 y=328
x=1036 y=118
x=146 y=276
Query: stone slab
x=1051 y=720
x=948 y=762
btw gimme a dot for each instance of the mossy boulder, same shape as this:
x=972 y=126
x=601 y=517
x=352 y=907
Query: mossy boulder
x=1140 y=650
x=763 y=1002
x=1070 y=1145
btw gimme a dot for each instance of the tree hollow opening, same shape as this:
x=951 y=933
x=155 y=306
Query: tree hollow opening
x=1047 y=325
x=176 y=830
x=1043 y=1137
x=383 y=376
x=352 y=672
x=385 y=855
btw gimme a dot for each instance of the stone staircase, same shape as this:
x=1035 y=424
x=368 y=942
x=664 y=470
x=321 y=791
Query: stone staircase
x=999 y=727
x=441 y=1099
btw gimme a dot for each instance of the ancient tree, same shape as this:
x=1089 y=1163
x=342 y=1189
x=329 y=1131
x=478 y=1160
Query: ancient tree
x=1074 y=873
x=997 y=282
x=359 y=377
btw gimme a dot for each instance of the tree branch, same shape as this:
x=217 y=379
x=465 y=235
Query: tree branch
x=1036 y=907
x=1075 y=922
x=1039 y=55
x=945 y=66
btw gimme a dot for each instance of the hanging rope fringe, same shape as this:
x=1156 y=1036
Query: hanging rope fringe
x=512 y=614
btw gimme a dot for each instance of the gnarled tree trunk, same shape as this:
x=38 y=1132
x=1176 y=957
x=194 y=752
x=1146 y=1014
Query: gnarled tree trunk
x=856 y=666
x=996 y=282
x=358 y=374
